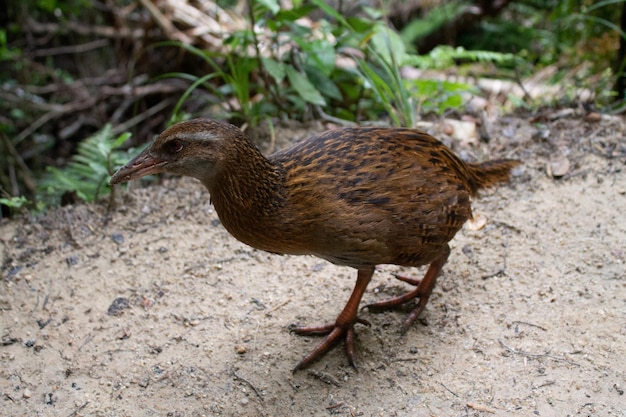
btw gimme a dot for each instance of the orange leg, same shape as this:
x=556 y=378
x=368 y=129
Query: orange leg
x=342 y=328
x=424 y=289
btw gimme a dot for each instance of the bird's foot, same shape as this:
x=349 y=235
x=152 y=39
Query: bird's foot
x=424 y=287
x=421 y=292
x=334 y=333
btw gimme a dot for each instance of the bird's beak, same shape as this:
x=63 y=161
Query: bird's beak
x=140 y=166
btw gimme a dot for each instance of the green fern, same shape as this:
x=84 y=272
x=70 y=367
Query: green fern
x=88 y=172
x=444 y=56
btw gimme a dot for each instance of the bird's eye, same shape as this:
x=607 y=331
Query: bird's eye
x=174 y=146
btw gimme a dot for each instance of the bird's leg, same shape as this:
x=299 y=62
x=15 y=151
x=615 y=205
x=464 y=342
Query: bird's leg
x=342 y=328
x=424 y=288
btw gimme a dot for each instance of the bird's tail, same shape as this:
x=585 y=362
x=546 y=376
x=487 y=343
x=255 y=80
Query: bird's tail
x=489 y=173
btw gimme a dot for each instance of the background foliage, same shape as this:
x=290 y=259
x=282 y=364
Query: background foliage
x=72 y=68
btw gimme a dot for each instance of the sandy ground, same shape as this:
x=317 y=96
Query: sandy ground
x=155 y=310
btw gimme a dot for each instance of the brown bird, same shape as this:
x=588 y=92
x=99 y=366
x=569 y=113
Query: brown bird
x=357 y=197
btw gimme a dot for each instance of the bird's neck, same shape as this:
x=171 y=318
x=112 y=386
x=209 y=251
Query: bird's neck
x=248 y=195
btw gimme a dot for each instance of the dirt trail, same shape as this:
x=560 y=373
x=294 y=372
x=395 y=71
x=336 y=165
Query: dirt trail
x=528 y=318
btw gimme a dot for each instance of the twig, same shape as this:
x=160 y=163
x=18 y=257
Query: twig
x=530 y=324
x=336 y=405
x=573 y=174
x=256 y=391
x=480 y=407
x=71 y=49
x=83 y=29
x=407 y=359
x=110 y=77
x=536 y=355
x=545 y=384
x=449 y=390
x=122 y=127
x=75 y=412
x=520 y=83
x=324 y=378
x=332 y=119
x=165 y=23
x=87 y=340
x=27 y=174
x=133 y=89
x=57 y=111
x=279 y=306
x=497 y=273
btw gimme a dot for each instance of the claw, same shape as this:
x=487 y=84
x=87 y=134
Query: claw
x=343 y=328
x=422 y=292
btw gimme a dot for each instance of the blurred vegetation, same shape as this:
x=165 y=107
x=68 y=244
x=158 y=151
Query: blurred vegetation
x=76 y=69
x=86 y=175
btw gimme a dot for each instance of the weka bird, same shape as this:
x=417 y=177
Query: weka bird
x=357 y=197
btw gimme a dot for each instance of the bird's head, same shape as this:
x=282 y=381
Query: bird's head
x=194 y=148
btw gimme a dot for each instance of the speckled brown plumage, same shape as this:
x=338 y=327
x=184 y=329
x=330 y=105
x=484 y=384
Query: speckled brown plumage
x=358 y=197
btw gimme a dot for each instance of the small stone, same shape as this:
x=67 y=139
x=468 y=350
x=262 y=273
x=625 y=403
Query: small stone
x=447 y=129
x=593 y=117
x=241 y=349
x=463 y=131
x=27 y=393
x=318 y=267
x=558 y=167
x=116 y=307
x=14 y=271
x=117 y=238
x=72 y=260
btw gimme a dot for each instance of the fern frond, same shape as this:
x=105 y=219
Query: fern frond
x=87 y=173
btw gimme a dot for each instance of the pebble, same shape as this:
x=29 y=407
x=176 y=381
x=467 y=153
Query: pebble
x=117 y=306
x=558 y=167
x=27 y=393
x=593 y=117
x=72 y=260
x=117 y=238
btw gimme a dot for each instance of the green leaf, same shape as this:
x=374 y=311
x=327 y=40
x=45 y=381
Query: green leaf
x=14 y=202
x=275 y=69
x=331 y=12
x=439 y=16
x=323 y=83
x=121 y=139
x=272 y=5
x=88 y=170
x=359 y=25
x=389 y=46
x=292 y=15
x=303 y=87
x=321 y=54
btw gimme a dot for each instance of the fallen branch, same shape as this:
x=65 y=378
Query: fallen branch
x=89 y=30
x=70 y=49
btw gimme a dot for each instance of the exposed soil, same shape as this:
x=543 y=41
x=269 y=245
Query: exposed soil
x=154 y=309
